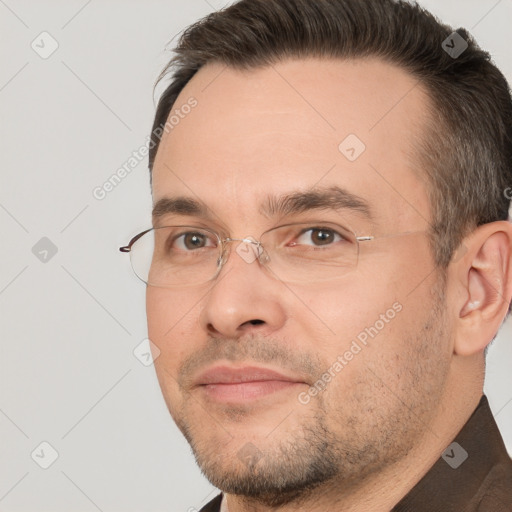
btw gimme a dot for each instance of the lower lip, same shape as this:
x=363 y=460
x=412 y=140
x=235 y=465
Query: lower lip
x=246 y=391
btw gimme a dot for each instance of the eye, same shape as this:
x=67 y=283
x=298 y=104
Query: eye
x=192 y=240
x=318 y=236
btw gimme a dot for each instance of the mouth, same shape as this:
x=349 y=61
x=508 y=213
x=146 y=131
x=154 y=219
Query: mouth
x=240 y=385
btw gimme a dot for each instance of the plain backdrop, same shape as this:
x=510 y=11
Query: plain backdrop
x=72 y=314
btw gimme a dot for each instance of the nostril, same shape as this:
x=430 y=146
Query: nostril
x=256 y=322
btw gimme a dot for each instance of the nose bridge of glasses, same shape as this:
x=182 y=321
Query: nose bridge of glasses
x=249 y=249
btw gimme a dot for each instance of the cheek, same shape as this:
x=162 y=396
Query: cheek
x=339 y=311
x=168 y=311
x=170 y=326
x=172 y=329
x=160 y=312
x=362 y=320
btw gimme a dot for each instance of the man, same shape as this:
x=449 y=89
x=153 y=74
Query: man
x=331 y=256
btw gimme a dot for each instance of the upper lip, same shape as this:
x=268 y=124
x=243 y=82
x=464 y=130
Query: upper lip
x=233 y=375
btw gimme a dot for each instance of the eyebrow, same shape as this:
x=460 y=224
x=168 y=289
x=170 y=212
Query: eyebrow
x=330 y=198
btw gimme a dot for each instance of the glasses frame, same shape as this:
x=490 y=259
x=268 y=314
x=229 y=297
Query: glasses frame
x=250 y=240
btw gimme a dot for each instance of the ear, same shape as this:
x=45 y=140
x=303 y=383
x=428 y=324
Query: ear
x=484 y=278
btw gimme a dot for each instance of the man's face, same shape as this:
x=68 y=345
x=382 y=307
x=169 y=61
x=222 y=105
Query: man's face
x=277 y=131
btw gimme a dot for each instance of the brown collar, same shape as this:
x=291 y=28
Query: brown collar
x=474 y=473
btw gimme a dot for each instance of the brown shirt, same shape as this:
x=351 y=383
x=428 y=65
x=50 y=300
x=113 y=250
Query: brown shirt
x=474 y=474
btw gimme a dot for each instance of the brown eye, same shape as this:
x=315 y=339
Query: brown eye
x=192 y=240
x=318 y=236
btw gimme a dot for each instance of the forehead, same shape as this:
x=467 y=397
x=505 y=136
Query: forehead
x=295 y=125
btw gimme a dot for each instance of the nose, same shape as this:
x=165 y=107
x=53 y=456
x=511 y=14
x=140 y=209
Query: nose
x=244 y=297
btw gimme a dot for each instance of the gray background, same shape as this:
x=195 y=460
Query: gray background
x=70 y=323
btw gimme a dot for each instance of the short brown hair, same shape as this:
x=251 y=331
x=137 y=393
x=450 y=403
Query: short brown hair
x=467 y=155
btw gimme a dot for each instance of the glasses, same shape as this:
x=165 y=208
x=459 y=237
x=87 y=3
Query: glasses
x=178 y=256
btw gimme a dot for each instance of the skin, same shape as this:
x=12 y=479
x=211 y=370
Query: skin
x=386 y=417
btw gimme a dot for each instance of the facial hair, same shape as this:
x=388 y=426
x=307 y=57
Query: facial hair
x=380 y=416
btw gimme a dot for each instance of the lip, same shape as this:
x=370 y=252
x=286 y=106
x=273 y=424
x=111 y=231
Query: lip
x=229 y=384
x=231 y=375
